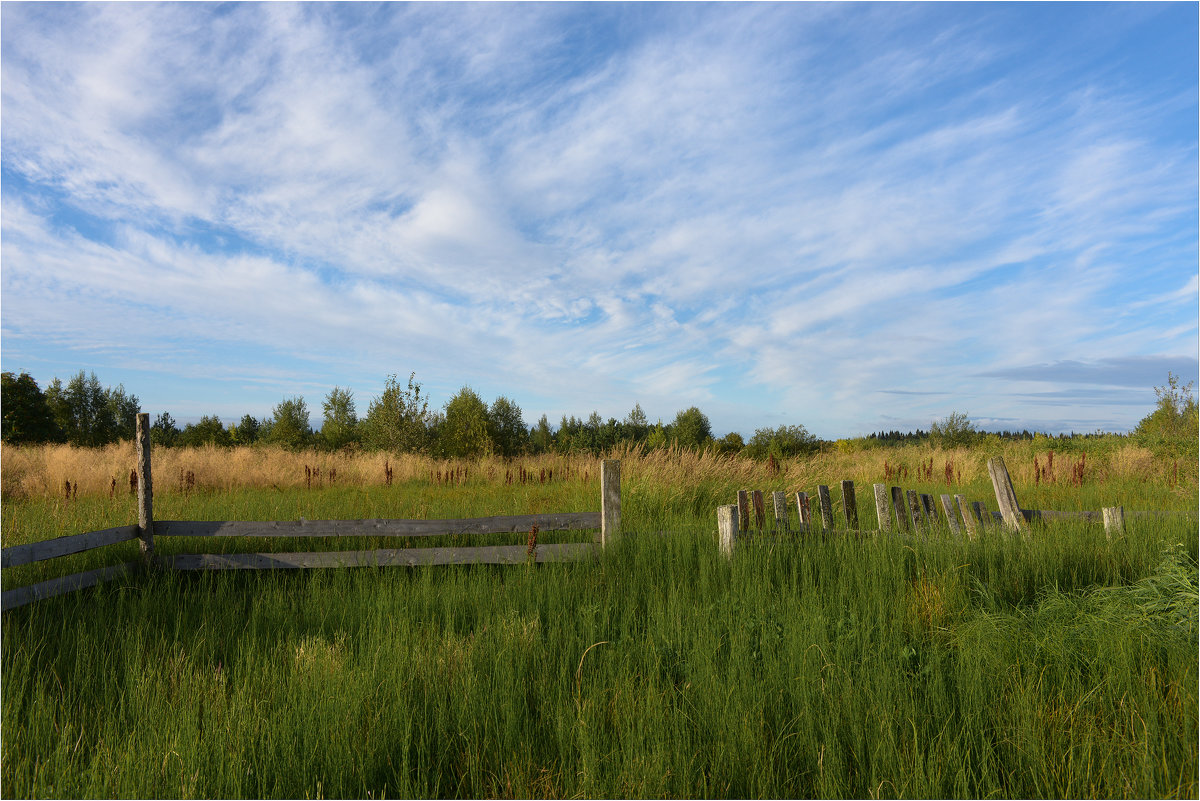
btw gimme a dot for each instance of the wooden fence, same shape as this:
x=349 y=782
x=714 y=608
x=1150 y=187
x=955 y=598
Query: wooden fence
x=607 y=521
x=902 y=511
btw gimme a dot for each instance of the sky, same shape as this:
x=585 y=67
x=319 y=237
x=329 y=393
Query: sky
x=852 y=217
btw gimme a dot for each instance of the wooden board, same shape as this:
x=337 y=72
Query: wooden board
x=410 y=557
x=499 y=524
x=11 y=599
x=62 y=546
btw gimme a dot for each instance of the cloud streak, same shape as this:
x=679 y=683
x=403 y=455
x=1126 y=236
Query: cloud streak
x=832 y=214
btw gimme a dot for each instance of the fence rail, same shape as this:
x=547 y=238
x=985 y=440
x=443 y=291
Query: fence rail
x=607 y=523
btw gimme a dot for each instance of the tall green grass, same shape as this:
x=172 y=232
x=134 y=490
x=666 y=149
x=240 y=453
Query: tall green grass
x=1062 y=665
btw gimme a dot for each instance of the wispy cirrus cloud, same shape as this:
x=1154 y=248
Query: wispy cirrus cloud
x=804 y=211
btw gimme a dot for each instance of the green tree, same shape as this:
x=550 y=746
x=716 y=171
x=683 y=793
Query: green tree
x=541 y=437
x=341 y=420
x=26 y=414
x=465 y=432
x=209 y=431
x=784 y=442
x=731 y=443
x=289 y=424
x=507 y=427
x=398 y=421
x=691 y=429
x=1173 y=428
x=955 y=431
x=164 y=433
x=124 y=410
x=245 y=431
x=81 y=410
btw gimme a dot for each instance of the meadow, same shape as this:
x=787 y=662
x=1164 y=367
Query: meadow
x=1059 y=665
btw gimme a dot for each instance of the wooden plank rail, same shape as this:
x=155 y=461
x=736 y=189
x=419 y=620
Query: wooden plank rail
x=384 y=557
x=63 y=546
x=10 y=599
x=497 y=524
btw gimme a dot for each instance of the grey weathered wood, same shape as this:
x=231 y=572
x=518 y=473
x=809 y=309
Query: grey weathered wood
x=779 y=501
x=915 y=512
x=743 y=505
x=1006 y=496
x=969 y=520
x=11 y=599
x=760 y=510
x=951 y=517
x=385 y=557
x=145 y=491
x=883 y=510
x=1114 y=521
x=826 y=506
x=903 y=521
x=849 y=505
x=929 y=508
x=980 y=510
x=804 y=510
x=62 y=546
x=610 y=501
x=497 y=524
x=727 y=528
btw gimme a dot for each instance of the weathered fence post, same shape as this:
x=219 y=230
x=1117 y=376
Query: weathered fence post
x=951 y=518
x=779 y=499
x=849 y=505
x=1114 y=521
x=145 y=491
x=610 y=501
x=727 y=529
x=804 y=509
x=882 y=510
x=1006 y=496
x=902 y=521
x=915 y=511
x=968 y=518
x=826 y=507
x=930 y=510
x=743 y=505
x=760 y=510
x=980 y=510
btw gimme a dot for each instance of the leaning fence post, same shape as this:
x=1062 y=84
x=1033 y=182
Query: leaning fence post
x=915 y=511
x=727 y=529
x=882 y=509
x=1006 y=496
x=1114 y=521
x=804 y=509
x=826 y=507
x=145 y=492
x=951 y=518
x=849 y=505
x=898 y=506
x=610 y=501
x=779 y=499
x=969 y=520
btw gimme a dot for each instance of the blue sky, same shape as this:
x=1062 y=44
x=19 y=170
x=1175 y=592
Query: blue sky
x=848 y=216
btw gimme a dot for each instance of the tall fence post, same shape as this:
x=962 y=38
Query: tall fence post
x=1006 y=496
x=760 y=510
x=951 y=517
x=145 y=492
x=743 y=505
x=727 y=529
x=610 y=501
x=849 y=505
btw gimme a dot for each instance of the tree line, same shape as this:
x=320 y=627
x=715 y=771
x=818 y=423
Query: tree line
x=400 y=420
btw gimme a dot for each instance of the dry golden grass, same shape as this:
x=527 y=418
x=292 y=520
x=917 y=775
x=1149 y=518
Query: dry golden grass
x=42 y=471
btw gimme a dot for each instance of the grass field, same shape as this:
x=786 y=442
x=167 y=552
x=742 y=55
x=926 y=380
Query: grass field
x=1062 y=665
